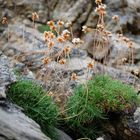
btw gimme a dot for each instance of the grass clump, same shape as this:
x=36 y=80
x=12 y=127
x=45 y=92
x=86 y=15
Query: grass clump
x=94 y=100
x=43 y=28
x=36 y=104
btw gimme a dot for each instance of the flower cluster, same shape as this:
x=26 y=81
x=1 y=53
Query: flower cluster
x=4 y=20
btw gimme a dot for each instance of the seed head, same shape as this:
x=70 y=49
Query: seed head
x=60 y=23
x=116 y=18
x=4 y=20
x=130 y=44
x=50 y=44
x=66 y=34
x=50 y=23
x=53 y=28
x=100 y=27
x=67 y=49
x=91 y=65
x=46 y=60
x=46 y=34
x=85 y=29
x=68 y=24
x=125 y=39
x=124 y=60
x=35 y=16
x=98 y=1
x=108 y=33
x=62 y=61
x=60 y=39
x=74 y=77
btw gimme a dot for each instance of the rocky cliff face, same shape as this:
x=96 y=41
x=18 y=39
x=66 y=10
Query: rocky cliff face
x=79 y=12
x=24 y=41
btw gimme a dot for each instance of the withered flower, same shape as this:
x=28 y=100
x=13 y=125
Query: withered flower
x=100 y=27
x=50 y=23
x=124 y=60
x=46 y=60
x=116 y=18
x=67 y=49
x=4 y=20
x=53 y=28
x=98 y=1
x=50 y=44
x=35 y=16
x=85 y=29
x=62 y=61
x=60 y=23
x=74 y=77
x=77 y=41
x=60 y=39
x=91 y=65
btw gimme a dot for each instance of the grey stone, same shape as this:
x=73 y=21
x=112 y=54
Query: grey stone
x=6 y=75
x=15 y=125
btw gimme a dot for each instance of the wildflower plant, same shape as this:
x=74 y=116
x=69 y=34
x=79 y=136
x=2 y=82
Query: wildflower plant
x=91 y=103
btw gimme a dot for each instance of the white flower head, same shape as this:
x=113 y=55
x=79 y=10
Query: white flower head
x=77 y=41
x=65 y=32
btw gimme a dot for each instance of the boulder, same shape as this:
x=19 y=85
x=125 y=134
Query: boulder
x=15 y=125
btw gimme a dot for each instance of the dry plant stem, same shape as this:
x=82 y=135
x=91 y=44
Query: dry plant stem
x=8 y=34
x=71 y=31
x=88 y=72
x=34 y=31
x=132 y=53
x=58 y=31
x=23 y=35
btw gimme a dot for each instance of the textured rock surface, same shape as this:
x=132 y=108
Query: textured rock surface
x=14 y=125
x=79 y=12
x=126 y=127
x=6 y=75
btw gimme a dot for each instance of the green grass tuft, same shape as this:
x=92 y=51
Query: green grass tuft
x=44 y=28
x=36 y=104
x=93 y=101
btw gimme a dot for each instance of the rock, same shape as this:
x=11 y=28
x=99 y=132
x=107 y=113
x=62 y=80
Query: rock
x=63 y=135
x=29 y=7
x=6 y=75
x=127 y=127
x=22 y=44
x=15 y=125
